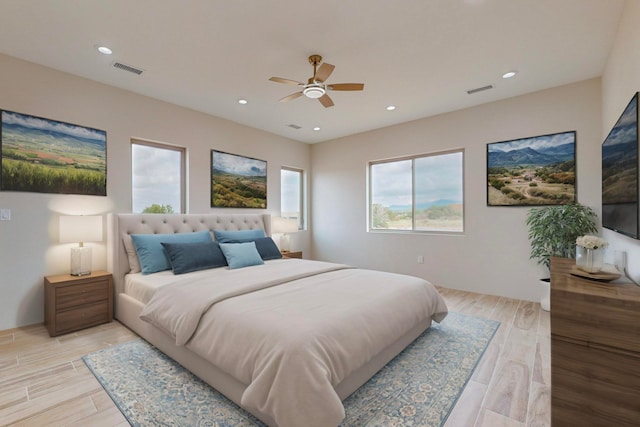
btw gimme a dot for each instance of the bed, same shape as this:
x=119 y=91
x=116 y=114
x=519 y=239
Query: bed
x=287 y=340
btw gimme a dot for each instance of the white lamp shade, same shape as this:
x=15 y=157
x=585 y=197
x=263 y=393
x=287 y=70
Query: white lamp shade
x=284 y=225
x=80 y=228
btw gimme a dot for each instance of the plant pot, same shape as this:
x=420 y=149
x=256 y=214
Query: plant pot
x=545 y=296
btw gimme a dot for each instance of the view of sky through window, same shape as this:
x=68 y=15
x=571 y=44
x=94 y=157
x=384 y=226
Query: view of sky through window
x=156 y=177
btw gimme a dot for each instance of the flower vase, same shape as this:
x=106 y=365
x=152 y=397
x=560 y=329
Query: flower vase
x=589 y=260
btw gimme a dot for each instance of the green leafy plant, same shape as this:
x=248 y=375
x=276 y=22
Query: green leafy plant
x=553 y=230
x=156 y=208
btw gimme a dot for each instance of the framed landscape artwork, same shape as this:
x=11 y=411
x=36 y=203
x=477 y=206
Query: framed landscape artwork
x=238 y=181
x=48 y=156
x=535 y=171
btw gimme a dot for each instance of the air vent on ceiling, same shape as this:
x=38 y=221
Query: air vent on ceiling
x=128 y=68
x=296 y=127
x=479 y=89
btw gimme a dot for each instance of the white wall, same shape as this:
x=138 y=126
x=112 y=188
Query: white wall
x=620 y=81
x=28 y=243
x=493 y=254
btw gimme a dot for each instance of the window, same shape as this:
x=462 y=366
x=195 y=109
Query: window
x=418 y=193
x=292 y=195
x=158 y=178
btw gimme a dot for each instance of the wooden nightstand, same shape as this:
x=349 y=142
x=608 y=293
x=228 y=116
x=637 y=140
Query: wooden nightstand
x=72 y=303
x=289 y=254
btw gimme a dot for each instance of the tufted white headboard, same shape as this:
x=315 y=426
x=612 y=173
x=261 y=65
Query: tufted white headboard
x=119 y=225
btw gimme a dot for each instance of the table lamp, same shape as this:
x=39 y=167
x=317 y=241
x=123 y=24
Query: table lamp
x=284 y=226
x=80 y=229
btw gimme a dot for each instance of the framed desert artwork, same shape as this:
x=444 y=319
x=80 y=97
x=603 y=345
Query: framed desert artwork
x=238 y=181
x=535 y=171
x=48 y=156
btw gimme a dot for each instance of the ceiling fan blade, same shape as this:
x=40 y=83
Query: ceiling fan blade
x=324 y=72
x=291 y=97
x=346 y=86
x=286 y=81
x=326 y=101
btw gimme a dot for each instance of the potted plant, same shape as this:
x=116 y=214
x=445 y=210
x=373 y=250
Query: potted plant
x=553 y=231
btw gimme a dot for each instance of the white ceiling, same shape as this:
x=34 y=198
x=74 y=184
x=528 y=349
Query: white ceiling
x=419 y=55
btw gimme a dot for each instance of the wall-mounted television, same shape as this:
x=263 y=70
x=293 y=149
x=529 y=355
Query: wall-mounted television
x=620 y=174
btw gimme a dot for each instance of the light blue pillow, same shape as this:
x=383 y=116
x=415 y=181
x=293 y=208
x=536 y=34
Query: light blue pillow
x=238 y=236
x=240 y=255
x=188 y=257
x=152 y=255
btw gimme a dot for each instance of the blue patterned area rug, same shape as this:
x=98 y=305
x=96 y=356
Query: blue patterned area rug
x=418 y=388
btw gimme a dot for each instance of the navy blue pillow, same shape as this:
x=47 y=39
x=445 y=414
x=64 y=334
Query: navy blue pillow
x=238 y=236
x=188 y=257
x=149 y=248
x=267 y=248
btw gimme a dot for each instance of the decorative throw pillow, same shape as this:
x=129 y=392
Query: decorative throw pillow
x=267 y=248
x=188 y=257
x=238 y=236
x=151 y=254
x=240 y=255
x=132 y=256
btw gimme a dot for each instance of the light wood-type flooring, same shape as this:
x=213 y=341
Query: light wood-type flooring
x=43 y=380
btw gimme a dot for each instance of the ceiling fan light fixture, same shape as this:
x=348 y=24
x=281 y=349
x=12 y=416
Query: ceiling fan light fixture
x=314 y=92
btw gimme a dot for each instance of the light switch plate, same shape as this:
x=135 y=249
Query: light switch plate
x=5 y=214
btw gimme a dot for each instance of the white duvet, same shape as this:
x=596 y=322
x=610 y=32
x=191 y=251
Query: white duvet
x=293 y=329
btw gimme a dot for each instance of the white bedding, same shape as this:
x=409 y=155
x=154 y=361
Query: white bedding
x=143 y=286
x=292 y=330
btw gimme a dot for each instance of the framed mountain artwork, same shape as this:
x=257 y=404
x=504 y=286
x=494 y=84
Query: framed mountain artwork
x=535 y=171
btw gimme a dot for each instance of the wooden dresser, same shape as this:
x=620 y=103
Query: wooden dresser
x=595 y=350
x=77 y=302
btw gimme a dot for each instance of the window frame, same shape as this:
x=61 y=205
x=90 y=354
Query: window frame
x=412 y=158
x=183 y=168
x=302 y=222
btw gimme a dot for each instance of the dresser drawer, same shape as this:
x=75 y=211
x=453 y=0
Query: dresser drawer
x=82 y=317
x=74 y=295
x=593 y=387
x=611 y=322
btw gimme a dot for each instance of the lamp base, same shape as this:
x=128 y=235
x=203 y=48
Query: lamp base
x=285 y=243
x=81 y=261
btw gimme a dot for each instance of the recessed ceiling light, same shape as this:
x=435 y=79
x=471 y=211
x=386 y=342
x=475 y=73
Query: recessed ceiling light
x=391 y=107
x=316 y=128
x=104 y=50
x=509 y=74
x=242 y=101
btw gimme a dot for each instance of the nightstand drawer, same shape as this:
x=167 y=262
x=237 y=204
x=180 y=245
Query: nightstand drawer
x=71 y=296
x=82 y=317
x=72 y=303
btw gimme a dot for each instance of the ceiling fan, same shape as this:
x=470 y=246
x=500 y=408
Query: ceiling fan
x=316 y=88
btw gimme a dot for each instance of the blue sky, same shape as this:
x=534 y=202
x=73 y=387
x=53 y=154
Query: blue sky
x=437 y=177
x=239 y=165
x=156 y=177
x=536 y=142
x=626 y=129
x=32 y=122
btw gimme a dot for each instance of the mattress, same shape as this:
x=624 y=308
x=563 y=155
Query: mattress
x=142 y=287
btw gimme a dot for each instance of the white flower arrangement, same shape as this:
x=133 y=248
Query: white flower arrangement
x=591 y=242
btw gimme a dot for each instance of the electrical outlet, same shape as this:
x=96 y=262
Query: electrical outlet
x=620 y=260
x=420 y=259
x=5 y=214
